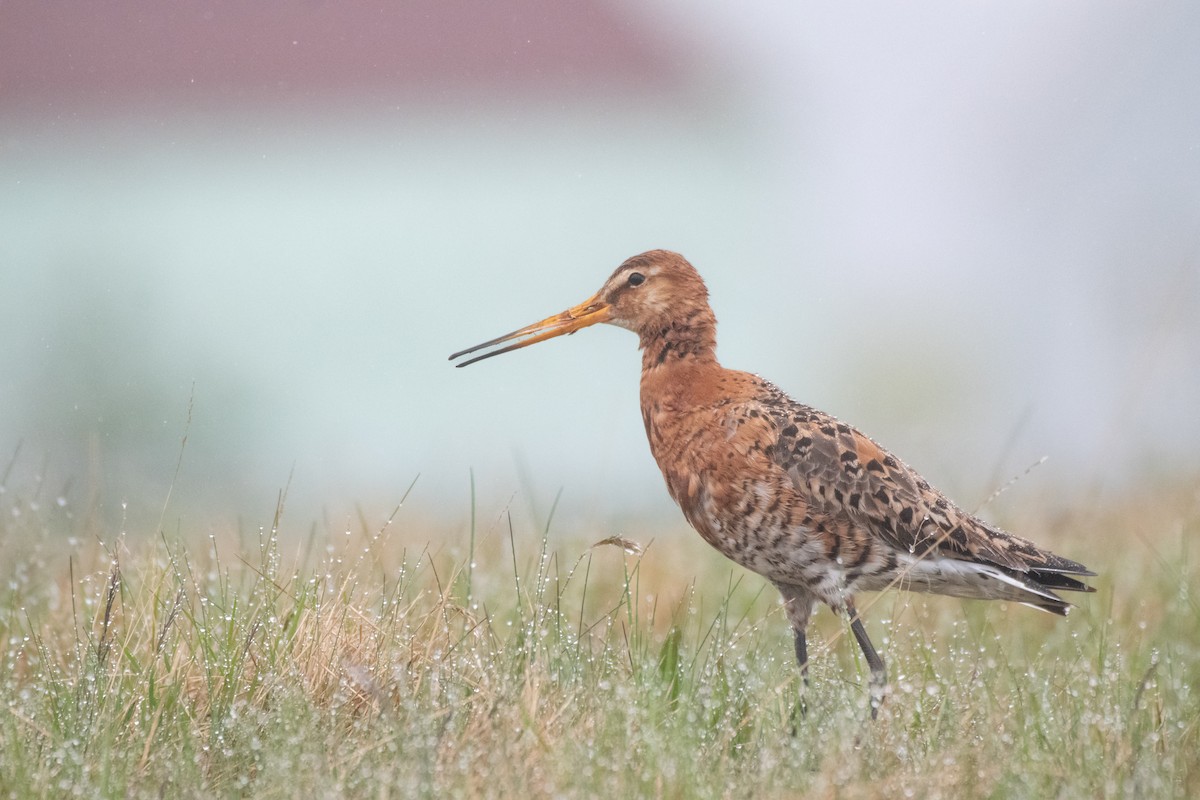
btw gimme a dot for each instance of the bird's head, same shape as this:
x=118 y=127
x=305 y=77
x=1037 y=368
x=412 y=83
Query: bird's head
x=648 y=294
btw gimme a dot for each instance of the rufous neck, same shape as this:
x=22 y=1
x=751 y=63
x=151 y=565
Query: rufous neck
x=693 y=341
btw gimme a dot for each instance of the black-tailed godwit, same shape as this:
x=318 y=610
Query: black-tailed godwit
x=806 y=501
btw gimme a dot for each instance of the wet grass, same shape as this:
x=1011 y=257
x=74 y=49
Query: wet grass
x=397 y=661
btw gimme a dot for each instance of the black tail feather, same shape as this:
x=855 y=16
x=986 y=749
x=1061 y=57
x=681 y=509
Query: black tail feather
x=1057 y=580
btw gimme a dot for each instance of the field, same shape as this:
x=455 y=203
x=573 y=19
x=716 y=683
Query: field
x=394 y=659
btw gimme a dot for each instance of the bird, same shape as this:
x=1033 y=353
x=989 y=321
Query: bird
x=791 y=493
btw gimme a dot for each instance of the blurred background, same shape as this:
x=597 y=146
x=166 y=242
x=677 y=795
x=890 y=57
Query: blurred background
x=972 y=230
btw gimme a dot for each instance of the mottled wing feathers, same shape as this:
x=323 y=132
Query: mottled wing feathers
x=842 y=471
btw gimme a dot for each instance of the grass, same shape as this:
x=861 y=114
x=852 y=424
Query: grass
x=394 y=660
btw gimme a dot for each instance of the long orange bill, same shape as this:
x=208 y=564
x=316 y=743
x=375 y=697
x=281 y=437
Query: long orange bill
x=589 y=312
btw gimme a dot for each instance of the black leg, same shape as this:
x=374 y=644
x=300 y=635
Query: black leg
x=799 y=605
x=878 y=671
x=801 y=709
x=802 y=655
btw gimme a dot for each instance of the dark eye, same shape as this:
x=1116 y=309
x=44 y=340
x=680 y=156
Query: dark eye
x=636 y=279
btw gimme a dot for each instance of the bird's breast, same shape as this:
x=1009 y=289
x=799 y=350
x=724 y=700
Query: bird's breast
x=716 y=461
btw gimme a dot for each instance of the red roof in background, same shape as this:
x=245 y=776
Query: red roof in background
x=179 y=52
